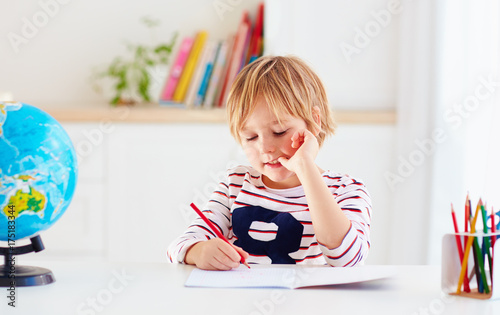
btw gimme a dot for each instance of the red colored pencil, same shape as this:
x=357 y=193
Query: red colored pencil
x=459 y=247
x=467 y=214
x=216 y=231
x=493 y=237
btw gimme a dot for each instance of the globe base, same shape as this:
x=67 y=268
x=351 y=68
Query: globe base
x=13 y=275
x=25 y=276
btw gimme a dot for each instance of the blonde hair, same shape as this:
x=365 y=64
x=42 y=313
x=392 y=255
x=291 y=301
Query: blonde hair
x=288 y=85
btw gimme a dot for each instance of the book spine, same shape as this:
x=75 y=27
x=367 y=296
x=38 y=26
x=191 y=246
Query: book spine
x=256 y=45
x=225 y=71
x=235 y=60
x=214 y=84
x=198 y=75
x=180 y=91
x=176 y=70
x=200 y=95
x=246 y=45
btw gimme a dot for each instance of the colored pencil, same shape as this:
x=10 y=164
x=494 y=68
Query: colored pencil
x=467 y=252
x=216 y=231
x=477 y=272
x=459 y=247
x=493 y=229
x=480 y=260
x=493 y=239
x=486 y=240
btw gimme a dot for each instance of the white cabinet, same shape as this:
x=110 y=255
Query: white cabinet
x=154 y=173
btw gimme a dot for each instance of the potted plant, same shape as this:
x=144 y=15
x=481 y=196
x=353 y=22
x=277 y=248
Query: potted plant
x=131 y=77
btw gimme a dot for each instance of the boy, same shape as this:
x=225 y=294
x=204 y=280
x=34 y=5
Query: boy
x=282 y=209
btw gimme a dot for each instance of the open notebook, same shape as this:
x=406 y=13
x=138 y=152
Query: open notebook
x=288 y=278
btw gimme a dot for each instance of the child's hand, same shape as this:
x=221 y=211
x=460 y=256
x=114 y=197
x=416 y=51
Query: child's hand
x=215 y=254
x=308 y=148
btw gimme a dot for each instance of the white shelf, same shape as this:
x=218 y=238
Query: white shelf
x=158 y=114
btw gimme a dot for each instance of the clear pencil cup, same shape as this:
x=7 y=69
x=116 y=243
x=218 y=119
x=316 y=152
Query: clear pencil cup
x=468 y=265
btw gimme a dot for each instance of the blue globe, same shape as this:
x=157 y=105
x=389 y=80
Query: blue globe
x=38 y=171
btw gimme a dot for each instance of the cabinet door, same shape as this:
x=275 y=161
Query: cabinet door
x=155 y=172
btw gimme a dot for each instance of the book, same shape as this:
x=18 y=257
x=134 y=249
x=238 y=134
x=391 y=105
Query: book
x=176 y=70
x=287 y=277
x=187 y=73
x=235 y=60
x=255 y=49
x=207 y=75
x=225 y=70
x=218 y=71
x=246 y=44
x=198 y=73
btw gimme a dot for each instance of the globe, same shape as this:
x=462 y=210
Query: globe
x=38 y=171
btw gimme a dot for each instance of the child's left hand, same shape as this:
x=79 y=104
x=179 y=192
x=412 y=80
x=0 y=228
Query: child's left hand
x=307 y=151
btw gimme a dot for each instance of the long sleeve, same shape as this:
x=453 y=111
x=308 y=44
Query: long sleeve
x=217 y=211
x=353 y=199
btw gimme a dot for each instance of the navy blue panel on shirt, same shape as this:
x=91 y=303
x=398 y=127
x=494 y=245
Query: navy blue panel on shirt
x=287 y=239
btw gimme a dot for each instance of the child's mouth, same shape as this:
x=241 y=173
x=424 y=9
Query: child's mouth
x=273 y=164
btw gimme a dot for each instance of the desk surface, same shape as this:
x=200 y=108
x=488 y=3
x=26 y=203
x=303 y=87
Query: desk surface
x=95 y=288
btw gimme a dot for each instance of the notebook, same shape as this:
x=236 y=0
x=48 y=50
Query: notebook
x=286 y=277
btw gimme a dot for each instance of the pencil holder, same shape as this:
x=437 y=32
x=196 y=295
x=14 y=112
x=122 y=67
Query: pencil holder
x=477 y=278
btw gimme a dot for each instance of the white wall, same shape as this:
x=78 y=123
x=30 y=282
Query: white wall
x=52 y=64
x=352 y=45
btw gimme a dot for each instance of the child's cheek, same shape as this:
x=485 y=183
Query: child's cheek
x=289 y=150
x=250 y=152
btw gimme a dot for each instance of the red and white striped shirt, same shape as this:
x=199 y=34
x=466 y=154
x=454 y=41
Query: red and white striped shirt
x=274 y=225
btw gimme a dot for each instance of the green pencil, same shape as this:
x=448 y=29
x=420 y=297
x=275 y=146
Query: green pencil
x=486 y=240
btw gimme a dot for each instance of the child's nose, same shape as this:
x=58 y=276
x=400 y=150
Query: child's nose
x=267 y=145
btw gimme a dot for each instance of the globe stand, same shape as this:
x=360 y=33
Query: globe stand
x=23 y=276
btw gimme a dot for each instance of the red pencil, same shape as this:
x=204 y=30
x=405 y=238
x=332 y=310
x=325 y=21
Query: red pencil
x=493 y=230
x=216 y=231
x=459 y=246
x=467 y=214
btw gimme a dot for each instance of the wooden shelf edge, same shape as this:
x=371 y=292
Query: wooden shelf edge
x=179 y=115
x=365 y=117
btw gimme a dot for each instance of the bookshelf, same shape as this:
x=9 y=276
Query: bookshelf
x=203 y=68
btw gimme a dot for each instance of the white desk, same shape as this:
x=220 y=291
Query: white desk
x=159 y=289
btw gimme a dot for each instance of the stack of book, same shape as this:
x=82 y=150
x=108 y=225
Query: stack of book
x=203 y=70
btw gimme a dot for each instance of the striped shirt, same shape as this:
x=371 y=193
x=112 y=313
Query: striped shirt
x=275 y=226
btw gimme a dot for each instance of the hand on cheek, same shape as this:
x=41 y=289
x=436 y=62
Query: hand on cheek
x=297 y=139
x=307 y=149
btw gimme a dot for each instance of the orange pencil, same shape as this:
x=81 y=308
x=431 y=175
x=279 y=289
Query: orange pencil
x=216 y=231
x=467 y=251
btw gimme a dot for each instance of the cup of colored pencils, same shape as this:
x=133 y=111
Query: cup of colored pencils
x=468 y=262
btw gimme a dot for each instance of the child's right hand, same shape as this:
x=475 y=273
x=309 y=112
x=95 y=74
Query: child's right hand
x=215 y=254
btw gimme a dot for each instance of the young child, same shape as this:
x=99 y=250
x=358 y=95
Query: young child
x=283 y=209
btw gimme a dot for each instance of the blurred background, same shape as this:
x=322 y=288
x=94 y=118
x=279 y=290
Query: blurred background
x=429 y=67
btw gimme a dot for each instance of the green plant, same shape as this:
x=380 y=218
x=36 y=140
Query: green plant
x=130 y=76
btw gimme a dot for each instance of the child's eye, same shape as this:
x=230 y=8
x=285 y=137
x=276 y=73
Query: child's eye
x=251 y=138
x=280 y=133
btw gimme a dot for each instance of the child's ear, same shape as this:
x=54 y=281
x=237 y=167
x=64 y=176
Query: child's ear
x=317 y=118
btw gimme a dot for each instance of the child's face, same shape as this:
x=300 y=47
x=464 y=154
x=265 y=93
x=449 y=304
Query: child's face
x=264 y=140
